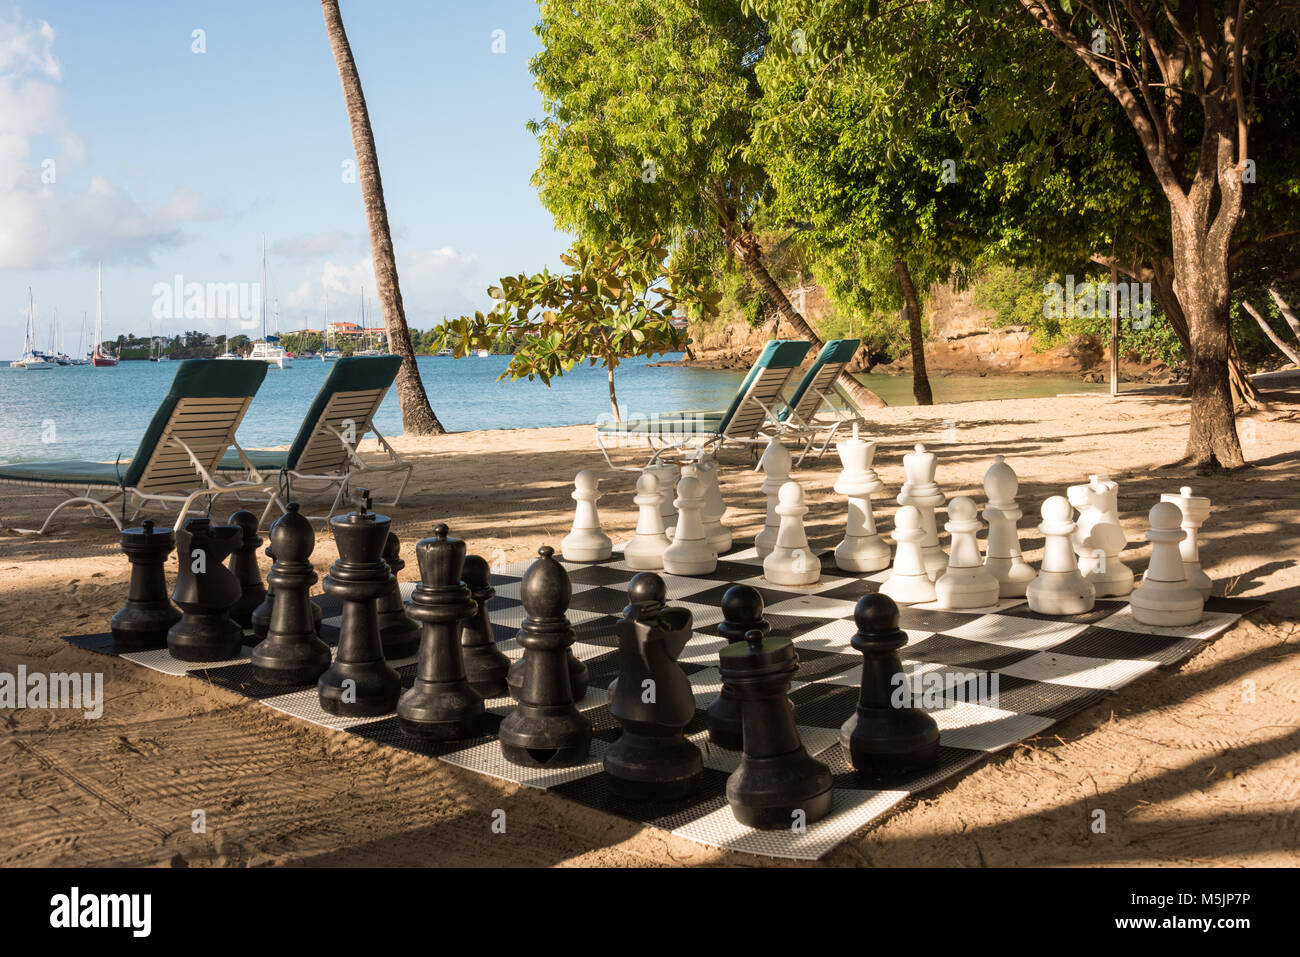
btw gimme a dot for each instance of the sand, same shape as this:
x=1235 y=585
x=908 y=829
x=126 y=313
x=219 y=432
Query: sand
x=1191 y=765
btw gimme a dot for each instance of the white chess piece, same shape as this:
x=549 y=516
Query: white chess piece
x=706 y=469
x=1098 y=537
x=1002 y=556
x=908 y=583
x=791 y=561
x=586 y=542
x=966 y=583
x=775 y=464
x=1166 y=598
x=666 y=474
x=645 y=552
x=690 y=553
x=921 y=492
x=1059 y=589
x=1195 y=509
x=862 y=549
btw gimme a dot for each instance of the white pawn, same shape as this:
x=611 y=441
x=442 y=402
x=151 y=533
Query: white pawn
x=908 y=583
x=921 y=492
x=1166 y=598
x=775 y=464
x=791 y=561
x=966 y=583
x=862 y=549
x=1002 y=556
x=1059 y=589
x=1195 y=509
x=586 y=542
x=1098 y=536
x=645 y=552
x=665 y=474
x=706 y=469
x=690 y=553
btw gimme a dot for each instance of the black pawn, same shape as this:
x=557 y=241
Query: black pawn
x=205 y=591
x=884 y=738
x=652 y=701
x=485 y=665
x=545 y=730
x=441 y=706
x=742 y=609
x=243 y=564
x=400 y=635
x=777 y=783
x=260 y=620
x=359 y=682
x=291 y=654
x=145 y=619
x=578 y=676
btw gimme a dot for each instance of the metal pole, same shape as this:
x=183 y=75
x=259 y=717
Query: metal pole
x=1114 y=330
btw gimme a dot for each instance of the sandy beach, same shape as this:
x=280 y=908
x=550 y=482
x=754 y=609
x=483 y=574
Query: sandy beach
x=1194 y=764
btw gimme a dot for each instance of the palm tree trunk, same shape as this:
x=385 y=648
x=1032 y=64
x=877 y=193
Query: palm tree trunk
x=417 y=414
x=745 y=248
x=920 y=381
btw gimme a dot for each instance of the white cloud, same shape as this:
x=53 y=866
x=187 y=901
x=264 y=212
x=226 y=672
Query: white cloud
x=308 y=247
x=46 y=222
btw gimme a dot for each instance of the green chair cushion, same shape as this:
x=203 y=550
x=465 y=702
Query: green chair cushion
x=67 y=472
x=673 y=423
x=262 y=459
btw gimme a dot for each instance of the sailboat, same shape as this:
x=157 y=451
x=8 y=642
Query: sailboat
x=81 y=345
x=327 y=354
x=98 y=357
x=268 y=350
x=364 y=337
x=33 y=359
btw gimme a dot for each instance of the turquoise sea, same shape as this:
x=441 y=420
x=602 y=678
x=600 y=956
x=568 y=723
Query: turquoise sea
x=87 y=413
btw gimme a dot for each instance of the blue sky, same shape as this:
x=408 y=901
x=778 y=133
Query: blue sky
x=169 y=162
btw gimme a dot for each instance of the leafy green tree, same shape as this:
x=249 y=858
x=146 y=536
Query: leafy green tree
x=611 y=306
x=650 y=106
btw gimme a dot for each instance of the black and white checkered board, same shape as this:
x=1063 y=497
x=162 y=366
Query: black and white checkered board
x=1042 y=669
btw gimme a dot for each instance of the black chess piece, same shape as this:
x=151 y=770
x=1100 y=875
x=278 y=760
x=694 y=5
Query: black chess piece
x=653 y=700
x=485 y=665
x=578 y=676
x=243 y=564
x=400 y=635
x=545 y=730
x=291 y=654
x=205 y=591
x=260 y=619
x=777 y=779
x=441 y=706
x=885 y=737
x=143 y=622
x=742 y=609
x=360 y=682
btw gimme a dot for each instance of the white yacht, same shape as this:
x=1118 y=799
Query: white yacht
x=33 y=360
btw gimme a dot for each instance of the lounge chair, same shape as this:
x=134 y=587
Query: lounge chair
x=177 y=458
x=323 y=454
x=751 y=417
x=811 y=410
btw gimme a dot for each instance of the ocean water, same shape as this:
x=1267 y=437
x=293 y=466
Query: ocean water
x=80 y=412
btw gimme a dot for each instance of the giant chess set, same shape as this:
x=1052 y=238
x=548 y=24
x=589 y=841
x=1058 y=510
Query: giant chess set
x=771 y=699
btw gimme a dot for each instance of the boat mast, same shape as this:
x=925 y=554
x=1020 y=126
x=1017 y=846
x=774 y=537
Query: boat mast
x=29 y=345
x=263 y=287
x=81 y=341
x=99 y=309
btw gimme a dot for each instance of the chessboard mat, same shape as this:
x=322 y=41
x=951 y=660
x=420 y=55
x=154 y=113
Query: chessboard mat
x=1043 y=669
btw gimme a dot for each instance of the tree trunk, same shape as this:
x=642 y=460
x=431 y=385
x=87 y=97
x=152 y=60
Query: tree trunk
x=417 y=414
x=1202 y=287
x=745 y=248
x=1282 y=347
x=613 y=399
x=1244 y=391
x=912 y=306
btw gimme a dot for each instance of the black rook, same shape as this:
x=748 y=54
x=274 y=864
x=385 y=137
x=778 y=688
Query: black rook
x=145 y=619
x=777 y=779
